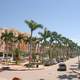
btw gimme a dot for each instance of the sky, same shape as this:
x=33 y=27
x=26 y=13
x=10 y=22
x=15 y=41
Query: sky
x=62 y=16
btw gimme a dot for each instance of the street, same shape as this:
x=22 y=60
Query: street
x=48 y=73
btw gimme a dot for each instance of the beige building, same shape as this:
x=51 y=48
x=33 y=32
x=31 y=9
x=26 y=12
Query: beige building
x=22 y=46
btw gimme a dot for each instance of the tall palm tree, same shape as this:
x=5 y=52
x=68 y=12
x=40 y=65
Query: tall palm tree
x=22 y=39
x=33 y=26
x=73 y=48
x=53 y=43
x=45 y=42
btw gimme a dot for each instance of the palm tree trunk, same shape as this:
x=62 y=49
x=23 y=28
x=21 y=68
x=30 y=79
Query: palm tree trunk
x=30 y=56
x=6 y=51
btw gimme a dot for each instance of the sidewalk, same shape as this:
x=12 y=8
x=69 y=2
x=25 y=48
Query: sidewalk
x=3 y=78
x=21 y=68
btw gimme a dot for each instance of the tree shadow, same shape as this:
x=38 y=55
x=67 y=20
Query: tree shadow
x=75 y=65
x=67 y=77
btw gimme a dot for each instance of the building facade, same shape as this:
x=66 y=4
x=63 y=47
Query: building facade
x=22 y=46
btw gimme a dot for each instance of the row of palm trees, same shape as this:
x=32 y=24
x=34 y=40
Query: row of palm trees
x=49 y=44
x=52 y=43
x=59 y=43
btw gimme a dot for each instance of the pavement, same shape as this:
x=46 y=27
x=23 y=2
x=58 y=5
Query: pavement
x=21 y=68
x=44 y=73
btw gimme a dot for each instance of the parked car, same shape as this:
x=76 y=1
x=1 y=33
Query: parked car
x=53 y=61
x=49 y=62
x=62 y=67
x=60 y=60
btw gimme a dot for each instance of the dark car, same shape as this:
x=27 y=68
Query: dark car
x=60 y=60
x=47 y=63
x=62 y=67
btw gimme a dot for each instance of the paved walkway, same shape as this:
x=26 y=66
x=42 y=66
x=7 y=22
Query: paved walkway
x=48 y=73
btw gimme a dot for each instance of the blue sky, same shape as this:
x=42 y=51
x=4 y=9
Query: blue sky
x=62 y=16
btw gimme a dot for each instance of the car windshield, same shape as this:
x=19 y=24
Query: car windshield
x=61 y=64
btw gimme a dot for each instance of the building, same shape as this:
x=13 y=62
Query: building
x=22 y=46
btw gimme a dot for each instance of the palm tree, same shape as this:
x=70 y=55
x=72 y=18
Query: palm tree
x=33 y=26
x=20 y=40
x=73 y=48
x=53 y=43
x=45 y=35
x=8 y=38
x=45 y=42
